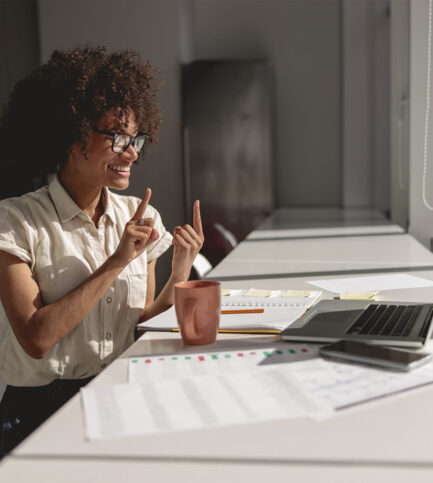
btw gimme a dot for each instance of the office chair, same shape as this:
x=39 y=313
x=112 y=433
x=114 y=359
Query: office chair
x=201 y=266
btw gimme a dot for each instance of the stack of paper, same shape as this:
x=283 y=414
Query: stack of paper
x=212 y=398
x=193 y=391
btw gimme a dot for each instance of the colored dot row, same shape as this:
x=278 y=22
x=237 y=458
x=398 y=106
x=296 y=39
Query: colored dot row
x=224 y=356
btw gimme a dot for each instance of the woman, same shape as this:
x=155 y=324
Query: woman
x=78 y=261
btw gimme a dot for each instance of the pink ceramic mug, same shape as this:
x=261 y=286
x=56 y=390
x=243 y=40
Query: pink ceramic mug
x=198 y=309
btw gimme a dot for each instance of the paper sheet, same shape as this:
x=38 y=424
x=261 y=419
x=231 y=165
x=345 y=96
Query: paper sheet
x=267 y=298
x=161 y=368
x=280 y=310
x=340 y=384
x=272 y=318
x=277 y=318
x=196 y=402
x=297 y=293
x=255 y=292
x=189 y=391
x=372 y=283
x=344 y=384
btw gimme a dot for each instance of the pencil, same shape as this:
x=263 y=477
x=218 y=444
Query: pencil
x=243 y=311
x=221 y=331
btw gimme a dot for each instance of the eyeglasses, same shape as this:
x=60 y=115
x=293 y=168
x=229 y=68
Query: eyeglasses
x=121 y=141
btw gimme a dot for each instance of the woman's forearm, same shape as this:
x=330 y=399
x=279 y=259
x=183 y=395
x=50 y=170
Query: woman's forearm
x=50 y=323
x=37 y=327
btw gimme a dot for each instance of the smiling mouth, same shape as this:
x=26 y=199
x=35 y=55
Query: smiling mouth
x=122 y=169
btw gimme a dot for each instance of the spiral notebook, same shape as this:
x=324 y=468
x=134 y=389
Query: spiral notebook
x=279 y=308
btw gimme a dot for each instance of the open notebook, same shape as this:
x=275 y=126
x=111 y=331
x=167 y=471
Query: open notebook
x=280 y=309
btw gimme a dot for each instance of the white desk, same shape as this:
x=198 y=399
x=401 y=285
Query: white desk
x=317 y=256
x=285 y=218
x=343 y=440
x=137 y=471
x=321 y=222
x=386 y=440
x=323 y=232
x=43 y=471
x=368 y=434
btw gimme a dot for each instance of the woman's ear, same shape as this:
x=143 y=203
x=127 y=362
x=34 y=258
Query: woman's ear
x=76 y=150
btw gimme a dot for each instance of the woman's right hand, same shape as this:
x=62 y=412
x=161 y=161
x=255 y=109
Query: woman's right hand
x=138 y=234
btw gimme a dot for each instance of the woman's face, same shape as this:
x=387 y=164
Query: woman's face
x=103 y=167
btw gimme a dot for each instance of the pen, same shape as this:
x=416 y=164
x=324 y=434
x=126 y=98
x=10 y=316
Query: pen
x=243 y=311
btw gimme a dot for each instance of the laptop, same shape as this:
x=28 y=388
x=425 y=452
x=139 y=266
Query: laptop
x=386 y=323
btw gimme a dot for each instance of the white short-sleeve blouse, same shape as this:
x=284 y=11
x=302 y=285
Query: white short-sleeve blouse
x=63 y=247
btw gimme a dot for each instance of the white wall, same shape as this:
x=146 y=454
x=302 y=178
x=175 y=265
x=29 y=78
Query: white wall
x=421 y=218
x=302 y=40
x=331 y=63
x=399 y=111
x=365 y=126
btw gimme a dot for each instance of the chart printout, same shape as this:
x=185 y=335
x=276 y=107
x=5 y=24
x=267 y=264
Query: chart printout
x=174 y=366
x=203 y=390
x=344 y=384
x=196 y=402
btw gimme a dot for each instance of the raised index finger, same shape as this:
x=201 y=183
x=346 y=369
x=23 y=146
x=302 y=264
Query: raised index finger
x=139 y=213
x=196 y=218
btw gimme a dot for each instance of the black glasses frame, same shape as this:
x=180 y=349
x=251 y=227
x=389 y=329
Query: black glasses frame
x=132 y=139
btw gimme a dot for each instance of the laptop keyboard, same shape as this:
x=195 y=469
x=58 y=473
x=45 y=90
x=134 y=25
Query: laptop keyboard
x=386 y=320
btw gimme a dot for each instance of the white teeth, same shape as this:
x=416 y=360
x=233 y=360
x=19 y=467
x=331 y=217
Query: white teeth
x=121 y=168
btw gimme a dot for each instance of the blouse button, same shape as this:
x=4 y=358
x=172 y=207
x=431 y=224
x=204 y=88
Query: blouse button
x=109 y=300
x=103 y=366
x=108 y=335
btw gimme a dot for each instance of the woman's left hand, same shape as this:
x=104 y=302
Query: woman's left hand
x=187 y=242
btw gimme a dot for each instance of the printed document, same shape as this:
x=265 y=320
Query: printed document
x=196 y=402
x=175 y=366
x=344 y=384
x=203 y=390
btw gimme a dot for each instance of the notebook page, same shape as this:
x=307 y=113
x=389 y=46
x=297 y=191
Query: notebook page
x=276 y=298
x=280 y=310
x=272 y=318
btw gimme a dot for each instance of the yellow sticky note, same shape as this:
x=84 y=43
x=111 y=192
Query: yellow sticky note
x=357 y=295
x=254 y=292
x=297 y=293
x=225 y=292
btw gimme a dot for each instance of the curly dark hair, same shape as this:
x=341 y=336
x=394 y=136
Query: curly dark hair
x=58 y=104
